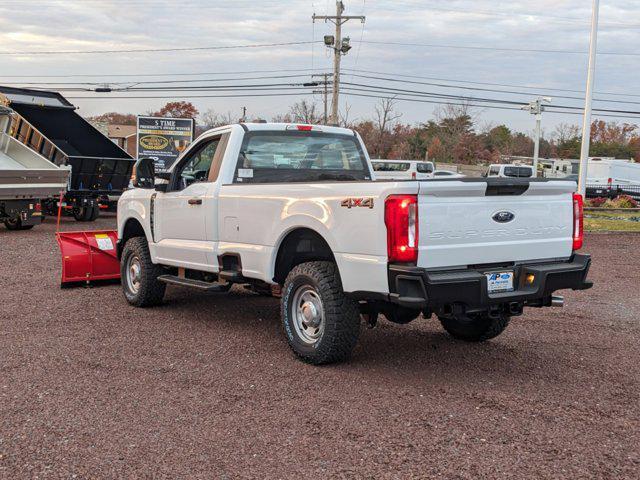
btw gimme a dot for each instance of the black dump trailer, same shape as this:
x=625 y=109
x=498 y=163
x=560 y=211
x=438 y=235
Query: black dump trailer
x=47 y=123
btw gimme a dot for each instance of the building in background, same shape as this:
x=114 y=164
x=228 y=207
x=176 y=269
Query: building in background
x=124 y=136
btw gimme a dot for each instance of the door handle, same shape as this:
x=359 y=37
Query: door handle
x=195 y=201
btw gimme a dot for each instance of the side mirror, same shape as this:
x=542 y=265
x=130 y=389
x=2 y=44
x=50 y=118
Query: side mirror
x=162 y=187
x=144 y=173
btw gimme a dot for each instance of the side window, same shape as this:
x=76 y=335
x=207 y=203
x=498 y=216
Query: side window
x=424 y=167
x=196 y=167
x=494 y=171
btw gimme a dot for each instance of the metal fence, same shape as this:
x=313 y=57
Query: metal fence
x=613 y=190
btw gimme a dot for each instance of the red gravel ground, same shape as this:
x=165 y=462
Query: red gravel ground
x=205 y=386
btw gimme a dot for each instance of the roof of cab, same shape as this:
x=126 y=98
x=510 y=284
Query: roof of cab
x=292 y=126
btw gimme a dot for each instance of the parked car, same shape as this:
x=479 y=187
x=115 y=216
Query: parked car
x=402 y=169
x=294 y=209
x=446 y=174
x=510 y=171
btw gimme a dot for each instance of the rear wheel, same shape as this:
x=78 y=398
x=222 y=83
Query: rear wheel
x=95 y=212
x=475 y=327
x=86 y=214
x=140 y=275
x=16 y=224
x=321 y=323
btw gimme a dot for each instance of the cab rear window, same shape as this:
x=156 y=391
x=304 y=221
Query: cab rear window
x=520 y=172
x=292 y=156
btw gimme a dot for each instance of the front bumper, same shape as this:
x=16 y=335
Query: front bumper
x=419 y=288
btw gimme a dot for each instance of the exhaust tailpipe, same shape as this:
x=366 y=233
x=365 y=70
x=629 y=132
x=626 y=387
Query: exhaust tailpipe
x=557 y=301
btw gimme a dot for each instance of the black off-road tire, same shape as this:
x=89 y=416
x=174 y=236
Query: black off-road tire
x=79 y=214
x=341 y=314
x=150 y=291
x=477 y=328
x=16 y=224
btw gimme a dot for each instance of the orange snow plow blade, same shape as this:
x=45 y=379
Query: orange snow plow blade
x=88 y=256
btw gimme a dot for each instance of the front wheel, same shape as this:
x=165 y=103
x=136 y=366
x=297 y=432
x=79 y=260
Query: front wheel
x=321 y=323
x=475 y=327
x=140 y=275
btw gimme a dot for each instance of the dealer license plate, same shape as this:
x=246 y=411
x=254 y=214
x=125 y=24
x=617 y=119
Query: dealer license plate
x=499 y=282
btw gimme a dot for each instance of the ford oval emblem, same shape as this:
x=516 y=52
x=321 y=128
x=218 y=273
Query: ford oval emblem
x=503 y=217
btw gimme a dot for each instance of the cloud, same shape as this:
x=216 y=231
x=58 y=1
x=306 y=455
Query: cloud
x=117 y=24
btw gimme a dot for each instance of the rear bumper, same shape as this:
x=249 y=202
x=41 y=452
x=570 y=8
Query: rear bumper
x=418 y=288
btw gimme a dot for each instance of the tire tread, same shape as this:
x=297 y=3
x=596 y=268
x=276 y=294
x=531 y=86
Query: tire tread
x=342 y=316
x=151 y=290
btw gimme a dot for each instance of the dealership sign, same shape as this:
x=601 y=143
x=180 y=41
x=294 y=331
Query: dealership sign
x=163 y=139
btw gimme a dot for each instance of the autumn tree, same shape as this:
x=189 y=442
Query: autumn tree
x=178 y=110
x=114 y=118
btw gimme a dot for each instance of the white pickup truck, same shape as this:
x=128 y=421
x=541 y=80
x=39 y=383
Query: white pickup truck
x=293 y=209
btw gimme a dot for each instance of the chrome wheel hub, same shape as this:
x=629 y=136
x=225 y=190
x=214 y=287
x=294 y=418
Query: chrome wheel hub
x=134 y=273
x=308 y=314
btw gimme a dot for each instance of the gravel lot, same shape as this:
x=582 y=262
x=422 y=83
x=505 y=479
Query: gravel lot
x=205 y=386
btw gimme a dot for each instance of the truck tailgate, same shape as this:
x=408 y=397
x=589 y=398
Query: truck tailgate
x=487 y=221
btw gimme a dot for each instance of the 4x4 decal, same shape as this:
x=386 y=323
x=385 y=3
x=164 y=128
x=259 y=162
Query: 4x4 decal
x=357 y=202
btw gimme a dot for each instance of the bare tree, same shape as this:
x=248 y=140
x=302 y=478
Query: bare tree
x=385 y=118
x=447 y=111
x=565 y=132
x=210 y=119
x=305 y=112
x=282 y=118
x=344 y=116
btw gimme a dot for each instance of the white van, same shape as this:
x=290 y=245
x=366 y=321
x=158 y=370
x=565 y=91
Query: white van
x=510 y=171
x=402 y=169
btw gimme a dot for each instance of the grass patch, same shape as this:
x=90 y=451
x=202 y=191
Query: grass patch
x=611 y=221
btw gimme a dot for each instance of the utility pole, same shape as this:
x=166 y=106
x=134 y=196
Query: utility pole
x=536 y=108
x=340 y=47
x=586 y=121
x=324 y=92
x=244 y=115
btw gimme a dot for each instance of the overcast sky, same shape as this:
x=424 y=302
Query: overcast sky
x=46 y=25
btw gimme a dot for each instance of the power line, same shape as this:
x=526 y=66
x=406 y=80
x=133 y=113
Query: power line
x=147 y=50
x=395 y=76
x=471 y=82
x=396 y=91
x=190 y=96
x=176 y=74
x=155 y=82
x=496 y=49
x=466 y=104
x=372 y=77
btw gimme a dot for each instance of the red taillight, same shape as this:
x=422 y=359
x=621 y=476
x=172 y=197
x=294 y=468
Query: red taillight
x=305 y=128
x=38 y=207
x=401 y=219
x=578 y=221
x=413 y=175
